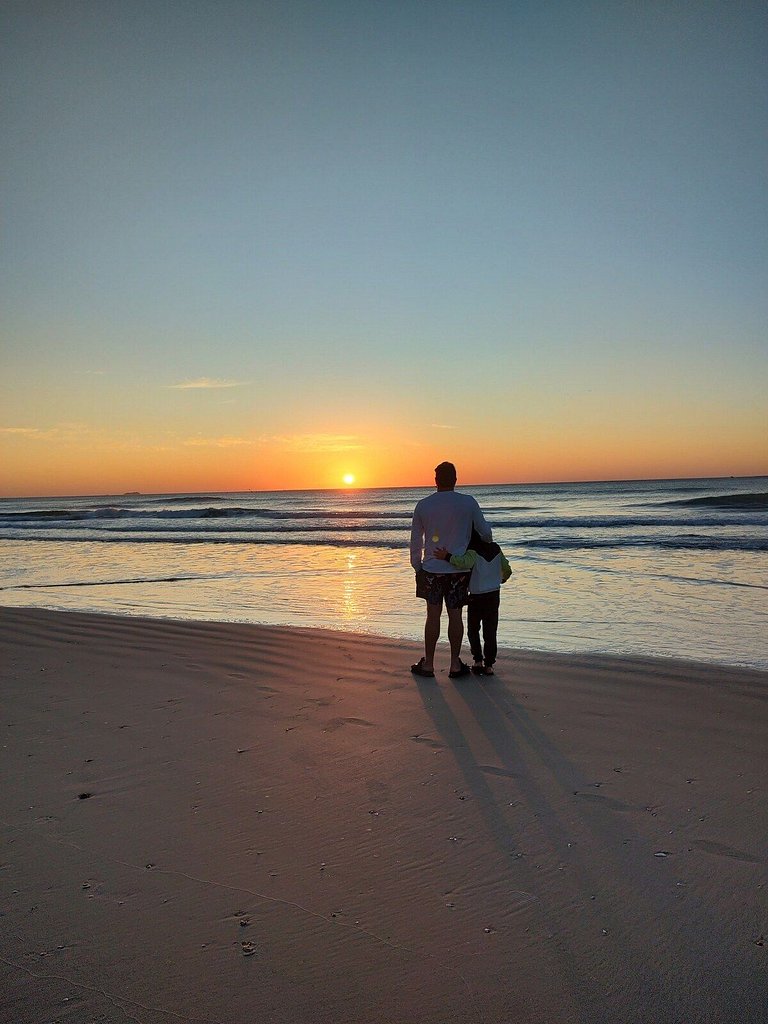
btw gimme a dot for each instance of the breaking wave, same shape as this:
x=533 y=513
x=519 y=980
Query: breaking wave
x=757 y=500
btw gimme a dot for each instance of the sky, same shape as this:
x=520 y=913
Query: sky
x=261 y=245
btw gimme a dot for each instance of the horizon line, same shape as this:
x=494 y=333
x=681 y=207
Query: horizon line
x=396 y=487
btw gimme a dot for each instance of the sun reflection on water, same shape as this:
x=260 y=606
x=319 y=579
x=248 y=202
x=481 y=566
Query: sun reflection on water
x=350 y=593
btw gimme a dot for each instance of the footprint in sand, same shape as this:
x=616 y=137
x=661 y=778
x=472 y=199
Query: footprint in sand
x=429 y=742
x=377 y=790
x=336 y=723
x=604 y=801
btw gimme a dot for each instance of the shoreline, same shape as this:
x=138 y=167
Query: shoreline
x=414 y=645
x=575 y=839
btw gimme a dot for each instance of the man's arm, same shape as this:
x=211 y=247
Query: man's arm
x=417 y=541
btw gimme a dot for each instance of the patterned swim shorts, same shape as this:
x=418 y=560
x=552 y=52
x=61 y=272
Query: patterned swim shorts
x=434 y=587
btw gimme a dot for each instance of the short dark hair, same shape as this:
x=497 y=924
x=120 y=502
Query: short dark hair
x=445 y=474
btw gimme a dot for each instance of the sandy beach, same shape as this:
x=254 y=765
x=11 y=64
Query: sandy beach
x=236 y=824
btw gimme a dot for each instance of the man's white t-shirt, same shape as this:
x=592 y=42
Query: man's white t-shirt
x=444 y=520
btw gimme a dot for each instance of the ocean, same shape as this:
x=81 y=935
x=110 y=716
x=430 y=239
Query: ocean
x=661 y=568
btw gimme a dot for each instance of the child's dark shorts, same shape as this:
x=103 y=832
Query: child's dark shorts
x=436 y=587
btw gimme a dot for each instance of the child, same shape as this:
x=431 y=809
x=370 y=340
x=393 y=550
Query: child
x=489 y=570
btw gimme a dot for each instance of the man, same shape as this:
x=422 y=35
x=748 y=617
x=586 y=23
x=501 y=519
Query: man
x=443 y=520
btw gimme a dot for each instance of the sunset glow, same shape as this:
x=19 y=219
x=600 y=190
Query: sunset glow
x=439 y=241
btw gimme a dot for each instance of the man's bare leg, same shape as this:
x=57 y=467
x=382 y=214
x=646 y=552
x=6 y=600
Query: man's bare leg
x=431 y=634
x=455 y=636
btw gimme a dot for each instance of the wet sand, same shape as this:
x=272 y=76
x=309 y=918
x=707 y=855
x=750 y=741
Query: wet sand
x=238 y=824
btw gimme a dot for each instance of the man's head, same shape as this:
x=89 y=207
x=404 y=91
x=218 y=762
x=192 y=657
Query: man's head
x=445 y=476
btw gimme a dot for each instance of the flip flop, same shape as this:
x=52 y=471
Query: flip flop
x=464 y=670
x=419 y=670
x=477 y=670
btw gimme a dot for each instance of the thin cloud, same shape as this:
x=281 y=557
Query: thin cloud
x=59 y=432
x=217 y=442
x=442 y=426
x=206 y=384
x=97 y=439
x=316 y=443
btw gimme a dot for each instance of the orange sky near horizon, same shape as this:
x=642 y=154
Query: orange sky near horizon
x=35 y=466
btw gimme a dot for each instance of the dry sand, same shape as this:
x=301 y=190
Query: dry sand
x=576 y=840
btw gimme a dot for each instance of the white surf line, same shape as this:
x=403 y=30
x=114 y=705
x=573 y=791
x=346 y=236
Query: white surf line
x=265 y=574
x=258 y=895
x=108 y=583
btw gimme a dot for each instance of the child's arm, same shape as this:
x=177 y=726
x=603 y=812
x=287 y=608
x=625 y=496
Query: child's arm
x=506 y=571
x=465 y=561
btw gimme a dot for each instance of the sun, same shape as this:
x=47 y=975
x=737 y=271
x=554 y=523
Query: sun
x=348 y=479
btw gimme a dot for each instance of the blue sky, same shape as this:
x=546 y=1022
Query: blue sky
x=530 y=233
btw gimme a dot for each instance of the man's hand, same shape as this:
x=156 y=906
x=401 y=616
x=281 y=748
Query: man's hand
x=441 y=553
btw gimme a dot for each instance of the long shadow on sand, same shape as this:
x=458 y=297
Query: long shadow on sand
x=590 y=880
x=494 y=812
